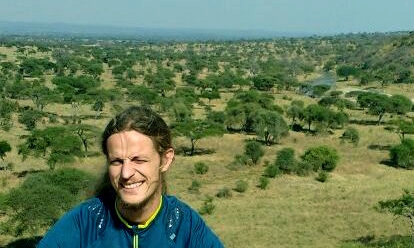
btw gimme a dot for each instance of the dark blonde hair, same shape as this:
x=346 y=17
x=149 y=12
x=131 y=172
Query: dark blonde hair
x=143 y=120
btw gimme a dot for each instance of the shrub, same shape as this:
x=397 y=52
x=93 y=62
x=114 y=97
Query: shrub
x=321 y=157
x=45 y=196
x=195 y=187
x=241 y=186
x=240 y=160
x=271 y=170
x=322 y=176
x=285 y=160
x=263 y=182
x=351 y=135
x=208 y=206
x=254 y=151
x=4 y=148
x=402 y=155
x=401 y=207
x=200 y=168
x=224 y=193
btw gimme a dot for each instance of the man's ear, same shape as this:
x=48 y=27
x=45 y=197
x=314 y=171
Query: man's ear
x=167 y=160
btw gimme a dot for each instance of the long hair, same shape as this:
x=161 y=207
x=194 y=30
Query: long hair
x=143 y=120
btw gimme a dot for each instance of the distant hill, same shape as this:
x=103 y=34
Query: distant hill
x=155 y=34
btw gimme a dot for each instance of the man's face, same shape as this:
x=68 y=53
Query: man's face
x=135 y=168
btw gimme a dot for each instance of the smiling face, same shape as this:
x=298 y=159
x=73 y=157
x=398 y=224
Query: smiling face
x=135 y=169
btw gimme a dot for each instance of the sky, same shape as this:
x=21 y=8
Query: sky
x=309 y=16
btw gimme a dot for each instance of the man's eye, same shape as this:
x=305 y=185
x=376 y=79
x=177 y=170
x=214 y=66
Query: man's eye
x=116 y=162
x=138 y=160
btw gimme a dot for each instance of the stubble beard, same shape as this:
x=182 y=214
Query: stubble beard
x=140 y=206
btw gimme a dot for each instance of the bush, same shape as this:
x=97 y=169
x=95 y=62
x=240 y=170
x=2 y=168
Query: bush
x=241 y=186
x=286 y=161
x=402 y=155
x=200 y=168
x=263 y=182
x=195 y=187
x=4 y=148
x=240 y=160
x=208 y=206
x=271 y=170
x=321 y=157
x=322 y=176
x=254 y=151
x=43 y=197
x=351 y=135
x=224 y=193
x=402 y=207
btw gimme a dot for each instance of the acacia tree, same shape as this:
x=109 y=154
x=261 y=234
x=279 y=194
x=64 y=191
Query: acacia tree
x=196 y=130
x=55 y=144
x=85 y=133
x=377 y=104
x=270 y=126
x=401 y=127
x=295 y=111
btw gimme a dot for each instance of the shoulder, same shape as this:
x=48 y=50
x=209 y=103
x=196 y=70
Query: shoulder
x=186 y=218
x=80 y=225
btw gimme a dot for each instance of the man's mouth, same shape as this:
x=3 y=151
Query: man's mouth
x=132 y=185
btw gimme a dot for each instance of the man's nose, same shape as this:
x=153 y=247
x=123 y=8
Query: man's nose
x=127 y=170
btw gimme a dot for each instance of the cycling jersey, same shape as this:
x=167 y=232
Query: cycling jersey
x=97 y=223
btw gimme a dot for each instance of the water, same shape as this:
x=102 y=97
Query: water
x=327 y=78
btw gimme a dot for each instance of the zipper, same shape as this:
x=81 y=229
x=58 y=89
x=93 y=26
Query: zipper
x=135 y=238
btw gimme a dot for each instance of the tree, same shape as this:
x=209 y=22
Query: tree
x=270 y=126
x=196 y=130
x=321 y=157
x=85 y=133
x=329 y=65
x=254 y=151
x=45 y=195
x=401 y=127
x=55 y=144
x=263 y=82
x=400 y=104
x=145 y=95
x=295 y=110
x=316 y=113
x=29 y=118
x=346 y=71
x=402 y=155
x=4 y=148
x=98 y=107
x=7 y=108
x=377 y=104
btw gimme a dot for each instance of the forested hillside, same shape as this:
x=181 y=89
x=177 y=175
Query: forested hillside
x=290 y=142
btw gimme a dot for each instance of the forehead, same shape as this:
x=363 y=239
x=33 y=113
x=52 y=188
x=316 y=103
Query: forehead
x=127 y=143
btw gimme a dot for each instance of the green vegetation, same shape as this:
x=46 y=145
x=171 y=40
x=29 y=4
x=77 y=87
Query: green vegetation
x=45 y=196
x=276 y=114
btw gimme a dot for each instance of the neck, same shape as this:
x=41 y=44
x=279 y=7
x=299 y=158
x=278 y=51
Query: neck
x=139 y=214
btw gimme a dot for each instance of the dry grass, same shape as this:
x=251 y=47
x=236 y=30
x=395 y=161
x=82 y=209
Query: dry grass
x=294 y=211
x=297 y=211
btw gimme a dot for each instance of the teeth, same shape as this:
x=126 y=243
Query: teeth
x=131 y=186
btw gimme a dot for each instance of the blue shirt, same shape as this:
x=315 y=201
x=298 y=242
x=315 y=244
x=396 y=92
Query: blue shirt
x=96 y=223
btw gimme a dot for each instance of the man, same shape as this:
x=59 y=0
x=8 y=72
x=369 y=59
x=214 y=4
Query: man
x=131 y=208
